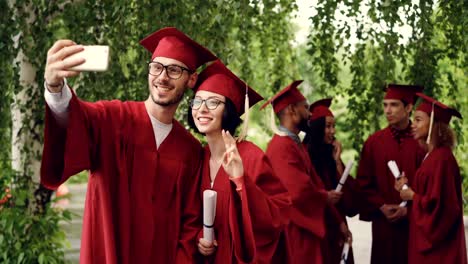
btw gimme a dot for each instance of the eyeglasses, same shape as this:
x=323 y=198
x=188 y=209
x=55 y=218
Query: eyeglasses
x=173 y=71
x=210 y=103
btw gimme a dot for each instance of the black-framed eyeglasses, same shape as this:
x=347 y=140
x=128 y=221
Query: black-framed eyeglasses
x=173 y=71
x=210 y=103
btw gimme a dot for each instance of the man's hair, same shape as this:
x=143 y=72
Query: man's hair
x=281 y=113
x=230 y=121
x=442 y=135
x=403 y=101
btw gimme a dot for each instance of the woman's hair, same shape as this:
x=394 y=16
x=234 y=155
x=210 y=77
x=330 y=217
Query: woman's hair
x=442 y=135
x=321 y=153
x=230 y=121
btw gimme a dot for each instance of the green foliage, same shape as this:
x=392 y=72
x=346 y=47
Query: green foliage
x=7 y=77
x=81 y=177
x=28 y=233
x=27 y=237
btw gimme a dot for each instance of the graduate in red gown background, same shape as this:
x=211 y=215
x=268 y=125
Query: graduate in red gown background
x=325 y=154
x=142 y=201
x=380 y=203
x=437 y=233
x=251 y=200
x=292 y=164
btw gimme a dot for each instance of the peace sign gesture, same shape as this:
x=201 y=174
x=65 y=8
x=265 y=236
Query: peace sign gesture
x=232 y=161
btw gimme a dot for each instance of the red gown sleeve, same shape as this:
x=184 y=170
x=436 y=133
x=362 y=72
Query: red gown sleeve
x=266 y=201
x=437 y=209
x=308 y=198
x=69 y=150
x=372 y=201
x=337 y=218
x=350 y=199
x=240 y=224
x=191 y=217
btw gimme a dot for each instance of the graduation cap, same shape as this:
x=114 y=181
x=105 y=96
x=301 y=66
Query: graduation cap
x=320 y=108
x=437 y=111
x=171 y=43
x=217 y=78
x=289 y=95
x=406 y=93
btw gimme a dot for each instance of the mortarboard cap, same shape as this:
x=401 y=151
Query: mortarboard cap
x=171 y=43
x=289 y=95
x=217 y=78
x=437 y=111
x=442 y=112
x=320 y=108
x=402 y=92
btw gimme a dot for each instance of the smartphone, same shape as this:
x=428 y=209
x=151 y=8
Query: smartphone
x=97 y=59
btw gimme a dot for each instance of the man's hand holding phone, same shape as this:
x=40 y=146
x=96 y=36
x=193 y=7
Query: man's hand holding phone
x=67 y=59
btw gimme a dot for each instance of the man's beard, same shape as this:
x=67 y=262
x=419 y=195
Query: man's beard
x=174 y=101
x=303 y=125
x=177 y=98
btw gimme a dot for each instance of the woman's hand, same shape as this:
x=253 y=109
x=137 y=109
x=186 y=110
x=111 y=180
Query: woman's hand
x=207 y=248
x=400 y=182
x=232 y=161
x=336 y=150
x=407 y=195
x=333 y=196
x=347 y=236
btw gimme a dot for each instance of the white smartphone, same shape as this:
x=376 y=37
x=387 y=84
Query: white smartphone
x=97 y=59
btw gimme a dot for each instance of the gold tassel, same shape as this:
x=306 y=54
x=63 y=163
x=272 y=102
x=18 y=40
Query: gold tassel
x=273 y=126
x=245 y=126
x=431 y=122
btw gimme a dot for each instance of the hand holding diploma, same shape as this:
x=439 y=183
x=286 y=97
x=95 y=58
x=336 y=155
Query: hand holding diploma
x=346 y=246
x=209 y=213
x=345 y=175
x=344 y=253
x=396 y=173
x=207 y=244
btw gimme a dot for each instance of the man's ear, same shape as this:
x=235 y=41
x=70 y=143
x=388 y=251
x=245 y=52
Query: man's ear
x=291 y=109
x=192 y=80
x=409 y=108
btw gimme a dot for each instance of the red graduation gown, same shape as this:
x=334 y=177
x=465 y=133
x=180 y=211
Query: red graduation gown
x=292 y=164
x=437 y=233
x=247 y=224
x=335 y=215
x=142 y=204
x=376 y=183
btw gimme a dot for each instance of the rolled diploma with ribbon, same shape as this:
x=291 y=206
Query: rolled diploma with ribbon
x=396 y=173
x=209 y=213
x=344 y=176
x=344 y=253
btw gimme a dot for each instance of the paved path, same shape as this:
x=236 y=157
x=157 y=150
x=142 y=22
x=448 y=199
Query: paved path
x=362 y=239
x=362 y=236
x=73 y=229
x=361 y=230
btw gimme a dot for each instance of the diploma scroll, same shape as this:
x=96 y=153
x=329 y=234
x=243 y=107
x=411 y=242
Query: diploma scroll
x=344 y=253
x=344 y=176
x=209 y=213
x=396 y=173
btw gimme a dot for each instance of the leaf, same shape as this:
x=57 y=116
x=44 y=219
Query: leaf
x=41 y=258
x=20 y=257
